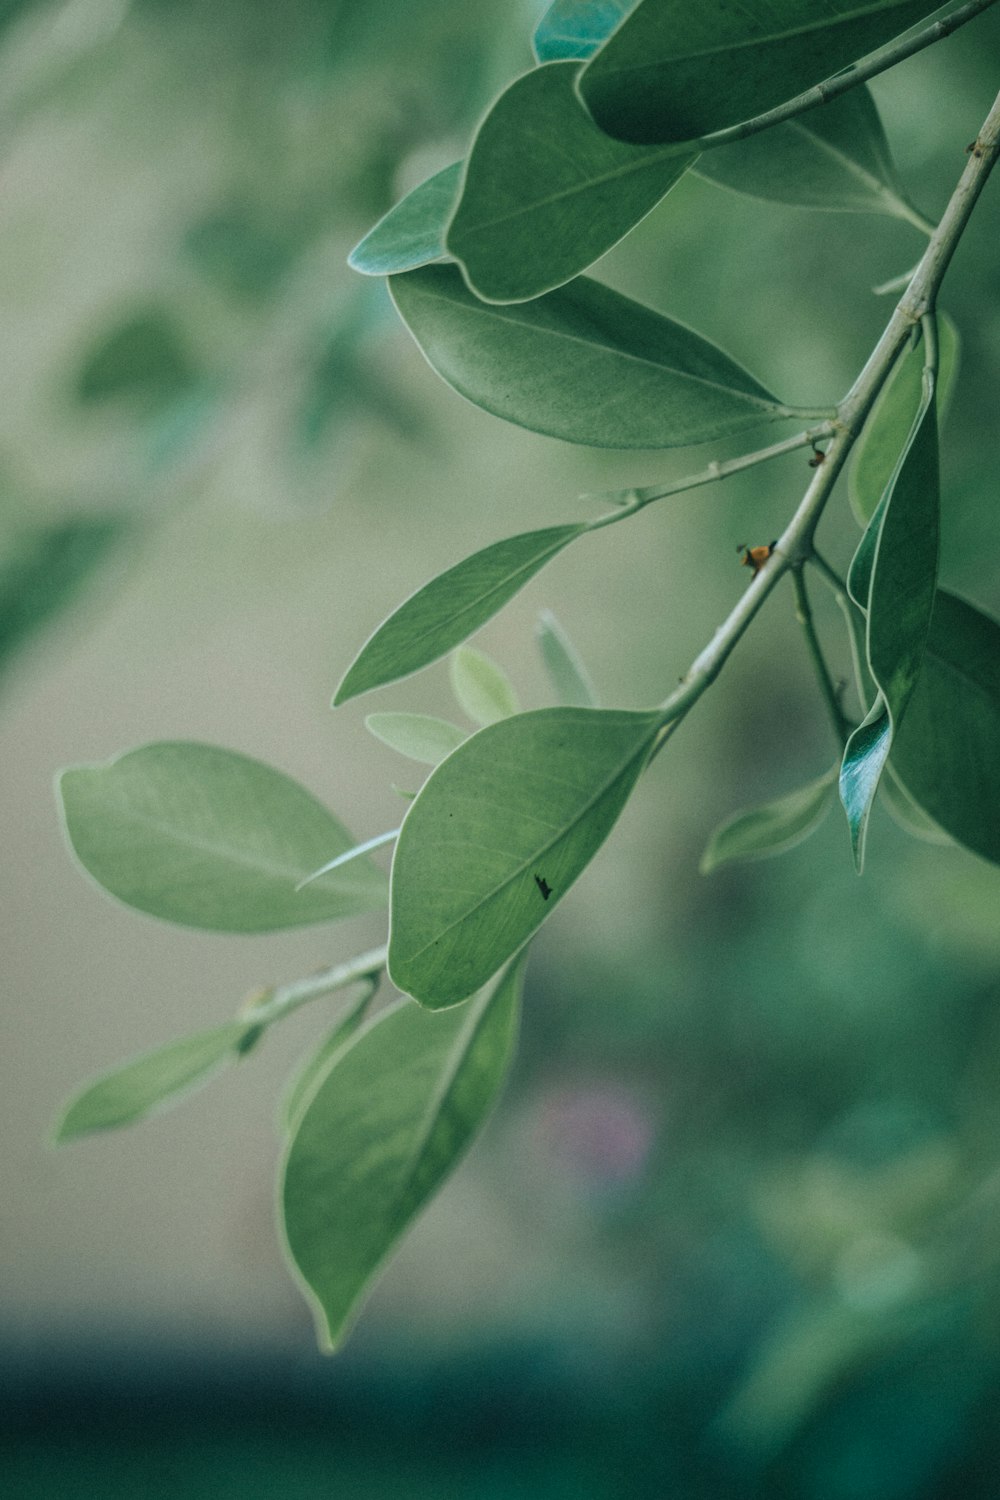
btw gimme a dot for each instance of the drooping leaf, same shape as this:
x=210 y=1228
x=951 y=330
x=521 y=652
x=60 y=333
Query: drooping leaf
x=905 y=812
x=208 y=838
x=498 y=834
x=412 y=233
x=893 y=576
x=422 y=737
x=576 y=28
x=318 y=1063
x=481 y=687
x=673 y=71
x=447 y=610
x=396 y=1111
x=892 y=417
x=546 y=193
x=582 y=363
x=947 y=751
x=834 y=157
x=567 y=674
x=772 y=827
x=150 y=1082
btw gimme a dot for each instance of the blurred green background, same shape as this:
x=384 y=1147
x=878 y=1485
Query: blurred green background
x=734 y=1230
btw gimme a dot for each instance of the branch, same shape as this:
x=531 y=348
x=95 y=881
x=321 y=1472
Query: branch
x=803 y=613
x=281 y=1001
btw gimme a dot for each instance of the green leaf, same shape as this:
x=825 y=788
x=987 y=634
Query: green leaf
x=144 y=360
x=319 y=1062
x=773 y=827
x=498 y=834
x=546 y=193
x=893 y=415
x=395 y=1113
x=947 y=751
x=834 y=157
x=582 y=363
x=673 y=71
x=905 y=812
x=412 y=233
x=893 y=576
x=148 y=1083
x=208 y=838
x=567 y=674
x=576 y=28
x=481 y=688
x=445 y=611
x=420 y=736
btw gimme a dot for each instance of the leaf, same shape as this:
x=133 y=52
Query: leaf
x=892 y=417
x=576 y=28
x=566 y=671
x=481 y=687
x=143 y=360
x=397 y=1110
x=773 y=827
x=319 y=1062
x=420 y=736
x=447 y=610
x=834 y=157
x=498 y=834
x=582 y=363
x=150 y=1082
x=412 y=233
x=354 y=853
x=546 y=193
x=673 y=71
x=893 y=577
x=947 y=751
x=905 y=812
x=208 y=838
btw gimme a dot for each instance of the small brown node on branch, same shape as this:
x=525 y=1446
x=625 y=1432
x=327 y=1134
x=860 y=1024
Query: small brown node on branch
x=818 y=457
x=756 y=557
x=974 y=149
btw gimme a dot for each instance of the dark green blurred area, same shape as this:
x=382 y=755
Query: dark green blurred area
x=734 y=1231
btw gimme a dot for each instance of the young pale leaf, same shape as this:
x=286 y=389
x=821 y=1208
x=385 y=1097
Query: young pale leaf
x=773 y=827
x=673 y=71
x=546 y=192
x=905 y=812
x=445 y=611
x=582 y=363
x=498 y=834
x=576 y=28
x=834 y=157
x=208 y=838
x=893 y=576
x=395 y=1113
x=947 y=751
x=481 y=688
x=148 y=1083
x=884 y=434
x=412 y=233
x=422 y=737
x=566 y=671
x=318 y=1063
x=350 y=854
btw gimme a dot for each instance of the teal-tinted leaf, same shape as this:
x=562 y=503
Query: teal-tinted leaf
x=445 y=611
x=498 y=834
x=209 y=838
x=834 y=157
x=582 y=363
x=893 y=576
x=148 y=1083
x=419 y=736
x=674 y=71
x=905 y=812
x=567 y=674
x=773 y=827
x=545 y=192
x=396 y=1111
x=318 y=1063
x=576 y=28
x=144 y=360
x=412 y=233
x=884 y=434
x=947 y=751
x=481 y=687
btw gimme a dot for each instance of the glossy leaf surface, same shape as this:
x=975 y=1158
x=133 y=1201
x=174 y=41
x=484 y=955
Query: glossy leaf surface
x=545 y=192
x=498 y=834
x=576 y=28
x=772 y=827
x=208 y=838
x=582 y=363
x=566 y=672
x=422 y=737
x=412 y=233
x=675 y=71
x=396 y=1111
x=447 y=610
x=482 y=689
x=319 y=1062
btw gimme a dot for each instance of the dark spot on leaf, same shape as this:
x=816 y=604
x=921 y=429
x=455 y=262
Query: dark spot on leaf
x=543 y=886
